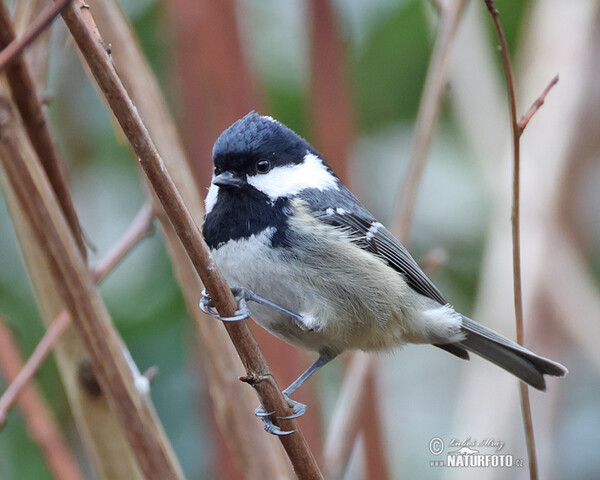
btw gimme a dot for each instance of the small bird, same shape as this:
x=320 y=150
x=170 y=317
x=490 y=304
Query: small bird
x=326 y=275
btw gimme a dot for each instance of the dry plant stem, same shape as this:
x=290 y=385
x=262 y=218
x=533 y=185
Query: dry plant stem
x=429 y=109
x=516 y=235
x=16 y=46
x=30 y=108
x=40 y=422
x=140 y=228
x=257 y=369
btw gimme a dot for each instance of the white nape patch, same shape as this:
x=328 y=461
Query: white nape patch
x=373 y=230
x=291 y=179
x=443 y=323
x=211 y=197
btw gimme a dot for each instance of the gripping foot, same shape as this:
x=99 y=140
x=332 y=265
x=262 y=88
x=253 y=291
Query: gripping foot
x=298 y=409
x=207 y=306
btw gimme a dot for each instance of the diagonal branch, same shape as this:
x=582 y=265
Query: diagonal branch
x=536 y=105
x=76 y=289
x=102 y=68
x=13 y=49
x=140 y=228
x=232 y=401
x=429 y=110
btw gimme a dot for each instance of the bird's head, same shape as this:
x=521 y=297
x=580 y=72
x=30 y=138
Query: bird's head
x=258 y=152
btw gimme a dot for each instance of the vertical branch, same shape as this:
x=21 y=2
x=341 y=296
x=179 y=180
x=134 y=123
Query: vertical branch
x=517 y=130
x=216 y=85
x=332 y=114
x=39 y=419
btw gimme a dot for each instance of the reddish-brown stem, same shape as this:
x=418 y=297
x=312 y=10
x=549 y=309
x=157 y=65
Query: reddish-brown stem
x=140 y=227
x=516 y=234
x=535 y=106
x=332 y=118
x=258 y=372
x=30 y=107
x=40 y=423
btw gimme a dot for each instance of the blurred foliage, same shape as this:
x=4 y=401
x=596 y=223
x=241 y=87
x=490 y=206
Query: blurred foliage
x=389 y=69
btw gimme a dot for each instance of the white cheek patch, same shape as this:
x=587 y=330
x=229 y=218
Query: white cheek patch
x=211 y=198
x=292 y=179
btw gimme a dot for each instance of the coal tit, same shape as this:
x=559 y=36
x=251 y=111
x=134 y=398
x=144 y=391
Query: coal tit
x=281 y=224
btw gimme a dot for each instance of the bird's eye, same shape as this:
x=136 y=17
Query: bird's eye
x=263 y=166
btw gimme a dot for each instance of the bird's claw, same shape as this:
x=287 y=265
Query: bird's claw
x=298 y=409
x=207 y=306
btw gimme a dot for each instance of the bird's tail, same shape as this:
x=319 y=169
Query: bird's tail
x=509 y=355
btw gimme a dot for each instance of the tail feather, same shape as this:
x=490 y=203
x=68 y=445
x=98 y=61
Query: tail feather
x=509 y=355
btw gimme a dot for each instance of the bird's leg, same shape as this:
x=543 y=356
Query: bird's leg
x=242 y=295
x=250 y=296
x=298 y=408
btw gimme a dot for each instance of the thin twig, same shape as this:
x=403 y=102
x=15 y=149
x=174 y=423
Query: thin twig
x=535 y=106
x=516 y=235
x=16 y=46
x=121 y=105
x=140 y=228
x=31 y=109
x=41 y=425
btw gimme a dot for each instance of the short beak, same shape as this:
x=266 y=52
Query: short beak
x=227 y=179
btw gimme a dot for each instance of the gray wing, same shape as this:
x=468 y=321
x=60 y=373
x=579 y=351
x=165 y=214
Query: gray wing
x=341 y=209
x=372 y=236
